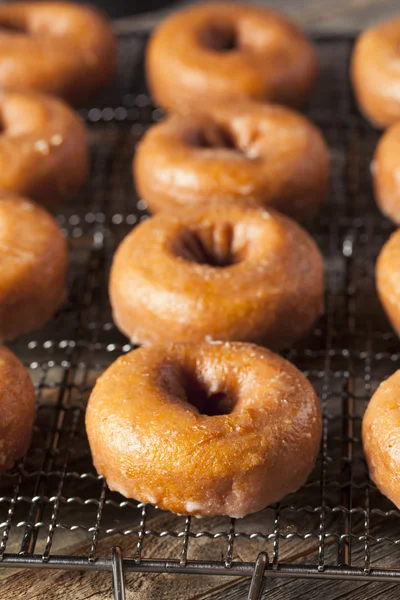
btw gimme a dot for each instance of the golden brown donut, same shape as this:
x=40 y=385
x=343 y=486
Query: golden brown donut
x=223 y=52
x=17 y=409
x=388 y=279
x=386 y=173
x=381 y=437
x=43 y=147
x=266 y=155
x=33 y=266
x=375 y=73
x=56 y=47
x=221 y=272
x=204 y=429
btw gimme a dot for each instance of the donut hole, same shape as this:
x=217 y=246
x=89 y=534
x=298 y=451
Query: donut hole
x=206 y=401
x=214 y=246
x=213 y=136
x=220 y=37
x=186 y=383
x=12 y=27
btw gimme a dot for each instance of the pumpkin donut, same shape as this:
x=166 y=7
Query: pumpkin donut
x=204 y=429
x=56 y=47
x=221 y=272
x=381 y=438
x=386 y=173
x=224 y=52
x=43 y=148
x=33 y=266
x=17 y=409
x=269 y=156
x=375 y=73
x=388 y=279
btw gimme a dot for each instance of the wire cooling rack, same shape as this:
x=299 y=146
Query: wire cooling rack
x=55 y=511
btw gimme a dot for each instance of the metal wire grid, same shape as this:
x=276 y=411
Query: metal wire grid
x=338 y=525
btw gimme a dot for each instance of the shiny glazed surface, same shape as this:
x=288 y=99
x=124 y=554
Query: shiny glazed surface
x=217 y=272
x=388 y=279
x=381 y=437
x=152 y=437
x=375 y=72
x=386 y=173
x=56 y=47
x=223 y=52
x=17 y=409
x=33 y=266
x=267 y=155
x=43 y=147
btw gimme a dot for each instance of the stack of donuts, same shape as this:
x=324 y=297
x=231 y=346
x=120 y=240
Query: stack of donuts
x=203 y=419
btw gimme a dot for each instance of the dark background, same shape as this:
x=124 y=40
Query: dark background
x=123 y=8
x=322 y=15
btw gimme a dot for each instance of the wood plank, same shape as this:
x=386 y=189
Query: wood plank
x=341 y=15
x=144 y=586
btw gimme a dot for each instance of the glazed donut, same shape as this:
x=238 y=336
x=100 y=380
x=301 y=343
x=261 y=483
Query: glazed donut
x=17 y=409
x=204 y=429
x=385 y=171
x=381 y=441
x=388 y=279
x=33 y=259
x=224 y=273
x=223 y=52
x=264 y=155
x=56 y=47
x=375 y=73
x=43 y=149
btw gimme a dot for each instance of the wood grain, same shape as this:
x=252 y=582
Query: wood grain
x=64 y=585
x=341 y=15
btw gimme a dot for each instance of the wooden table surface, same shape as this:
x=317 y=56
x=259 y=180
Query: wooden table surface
x=327 y=15
x=337 y=15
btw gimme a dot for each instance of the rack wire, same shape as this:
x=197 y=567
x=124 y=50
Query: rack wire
x=56 y=512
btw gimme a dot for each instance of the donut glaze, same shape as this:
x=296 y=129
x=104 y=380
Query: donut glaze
x=264 y=155
x=56 y=47
x=381 y=438
x=223 y=52
x=375 y=73
x=388 y=279
x=17 y=409
x=223 y=272
x=204 y=429
x=386 y=173
x=43 y=148
x=33 y=266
